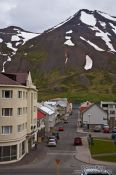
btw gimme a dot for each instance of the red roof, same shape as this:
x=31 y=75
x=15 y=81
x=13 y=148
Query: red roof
x=82 y=108
x=40 y=115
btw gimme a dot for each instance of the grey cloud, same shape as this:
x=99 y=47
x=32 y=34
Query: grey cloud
x=39 y=15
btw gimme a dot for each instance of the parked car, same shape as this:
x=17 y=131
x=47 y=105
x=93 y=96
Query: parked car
x=61 y=128
x=95 y=171
x=106 y=128
x=51 y=143
x=52 y=137
x=97 y=128
x=113 y=133
x=77 y=141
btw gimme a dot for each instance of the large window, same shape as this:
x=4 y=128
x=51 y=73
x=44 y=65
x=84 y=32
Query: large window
x=7 y=111
x=19 y=94
x=7 y=93
x=6 y=129
x=8 y=153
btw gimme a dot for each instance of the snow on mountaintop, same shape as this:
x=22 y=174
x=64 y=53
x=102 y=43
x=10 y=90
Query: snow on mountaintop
x=25 y=36
x=17 y=37
x=88 y=19
x=107 y=16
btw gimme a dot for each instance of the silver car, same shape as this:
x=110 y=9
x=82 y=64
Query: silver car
x=51 y=142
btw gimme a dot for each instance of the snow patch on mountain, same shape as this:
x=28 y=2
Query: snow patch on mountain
x=66 y=60
x=107 y=16
x=27 y=36
x=15 y=38
x=113 y=27
x=8 y=60
x=105 y=37
x=1 y=40
x=67 y=37
x=89 y=63
x=69 y=43
x=9 y=45
x=103 y=24
x=88 y=19
x=92 y=44
x=68 y=32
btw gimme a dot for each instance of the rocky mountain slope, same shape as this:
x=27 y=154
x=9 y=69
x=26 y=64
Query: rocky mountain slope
x=78 y=55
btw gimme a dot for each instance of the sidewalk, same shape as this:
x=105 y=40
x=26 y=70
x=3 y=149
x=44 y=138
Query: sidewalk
x=33 y=156
x=83 y=154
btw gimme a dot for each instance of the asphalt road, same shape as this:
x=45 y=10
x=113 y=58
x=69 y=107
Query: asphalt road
x=64 y=152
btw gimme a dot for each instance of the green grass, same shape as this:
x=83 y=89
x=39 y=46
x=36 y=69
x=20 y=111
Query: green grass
x=67 y=84
x=111 y=158
x=101 y=146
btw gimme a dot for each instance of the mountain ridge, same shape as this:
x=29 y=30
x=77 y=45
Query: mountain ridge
x=79 y=49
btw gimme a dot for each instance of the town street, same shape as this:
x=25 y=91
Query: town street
x=64 y=152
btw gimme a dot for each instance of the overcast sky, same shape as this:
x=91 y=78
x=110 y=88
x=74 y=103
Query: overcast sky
x=39 y=15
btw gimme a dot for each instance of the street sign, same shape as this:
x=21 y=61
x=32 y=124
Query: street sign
x=57 y=161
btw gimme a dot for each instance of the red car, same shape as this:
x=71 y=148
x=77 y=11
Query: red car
x=77 y=141
x=61 y=128
x=106 y=130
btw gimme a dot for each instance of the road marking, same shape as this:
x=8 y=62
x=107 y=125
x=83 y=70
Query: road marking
x=53 y=152
x=76 y=172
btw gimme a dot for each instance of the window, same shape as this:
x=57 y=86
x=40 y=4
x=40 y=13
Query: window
x=6 y=129
x=105 y=105
x=19 y=112
x=112 y=112
x=19 y=128
x=19 y=94
x=110 y=105
x=7 y=93
x=7 y=111
x=8 y=153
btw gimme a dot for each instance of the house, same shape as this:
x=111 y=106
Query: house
x=40 y=125
x=18 y=116
x=64 y=108
x=110 y=108
x=93 y=115
x=49 y=118
x=53 y=106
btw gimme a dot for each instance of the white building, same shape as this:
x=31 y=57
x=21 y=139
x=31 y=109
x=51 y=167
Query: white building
x=110 y=108
x=94 y=115
x=18 y=116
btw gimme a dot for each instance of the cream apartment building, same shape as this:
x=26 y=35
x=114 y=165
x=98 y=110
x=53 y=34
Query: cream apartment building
x=18 y=116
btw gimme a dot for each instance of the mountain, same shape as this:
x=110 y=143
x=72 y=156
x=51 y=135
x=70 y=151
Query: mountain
x=75 y=58
x=11 y=39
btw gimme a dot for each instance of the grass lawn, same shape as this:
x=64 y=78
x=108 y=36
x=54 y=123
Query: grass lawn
x=111 y=158
x=101 y=146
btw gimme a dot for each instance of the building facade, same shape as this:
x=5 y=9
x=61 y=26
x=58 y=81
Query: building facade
x=18 y=116
x=110 y=108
